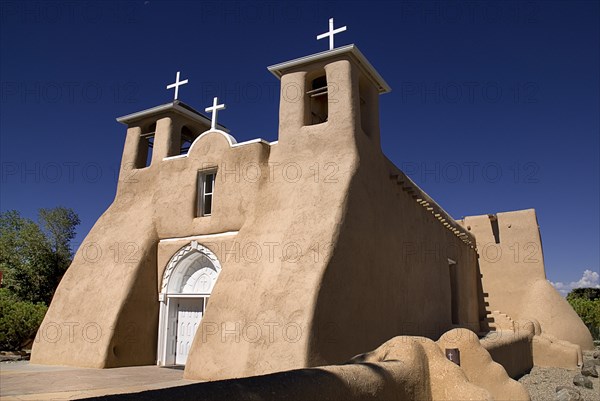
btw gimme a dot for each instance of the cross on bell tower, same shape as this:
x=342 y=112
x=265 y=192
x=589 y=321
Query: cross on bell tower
x=331 y=33
x=176 y=85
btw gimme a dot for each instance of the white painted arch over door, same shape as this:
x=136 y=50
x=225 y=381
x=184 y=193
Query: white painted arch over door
x=188 y=281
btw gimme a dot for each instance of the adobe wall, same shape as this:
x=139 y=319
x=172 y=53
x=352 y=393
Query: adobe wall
x=335 y=250
x=260 y=315
x=394 y=277
x=491 y=364
x=381 y=268
x=513 y=275
x=306 y=292
x=105 y=310
x=511 y=349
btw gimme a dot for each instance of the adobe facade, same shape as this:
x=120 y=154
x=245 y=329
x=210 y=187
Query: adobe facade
x=241 y=259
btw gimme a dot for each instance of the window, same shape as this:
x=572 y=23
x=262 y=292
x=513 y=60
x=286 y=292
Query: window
x=206 y=186
x=318 y=101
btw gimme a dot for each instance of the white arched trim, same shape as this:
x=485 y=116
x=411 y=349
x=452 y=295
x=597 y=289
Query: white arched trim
x=230 y=139
x=185 y=252
x=233 y=143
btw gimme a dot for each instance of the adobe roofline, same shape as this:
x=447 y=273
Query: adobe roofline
x=430 y=205
x=175 y=106
x=352 y=50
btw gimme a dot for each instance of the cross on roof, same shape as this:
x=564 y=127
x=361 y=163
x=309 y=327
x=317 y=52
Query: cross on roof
x=214 y=109
x=331 y=33
x=176 y=85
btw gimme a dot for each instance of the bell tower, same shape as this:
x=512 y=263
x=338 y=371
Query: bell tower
x=163 y=132
x=333 y=91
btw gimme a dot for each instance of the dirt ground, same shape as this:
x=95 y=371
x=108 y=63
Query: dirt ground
x=542 y=382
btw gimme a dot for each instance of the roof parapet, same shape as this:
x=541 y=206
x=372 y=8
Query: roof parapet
x=351 y=50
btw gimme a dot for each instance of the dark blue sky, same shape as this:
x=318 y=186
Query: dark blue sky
x=494 y=105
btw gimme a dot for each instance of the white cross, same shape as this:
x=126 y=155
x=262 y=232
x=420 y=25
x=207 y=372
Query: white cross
x=331 y=33
x=214 y=109
x=176 y=85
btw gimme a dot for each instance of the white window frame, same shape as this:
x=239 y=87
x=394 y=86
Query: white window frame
x=202 y=193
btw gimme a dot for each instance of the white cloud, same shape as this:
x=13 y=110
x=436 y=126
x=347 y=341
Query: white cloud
x=589 y=279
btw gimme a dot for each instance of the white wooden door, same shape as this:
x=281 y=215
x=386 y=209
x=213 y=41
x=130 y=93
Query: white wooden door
x=171 y=335
x=189 y=314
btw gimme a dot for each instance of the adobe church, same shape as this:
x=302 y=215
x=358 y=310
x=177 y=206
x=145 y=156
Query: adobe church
x=242 y=259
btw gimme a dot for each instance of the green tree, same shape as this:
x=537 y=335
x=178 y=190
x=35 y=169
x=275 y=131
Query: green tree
x=586 y=293
x=34 y=257
x=59 y=226
x=586 y=302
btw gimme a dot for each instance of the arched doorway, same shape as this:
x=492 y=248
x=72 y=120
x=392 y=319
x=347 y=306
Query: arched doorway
x=187 y=283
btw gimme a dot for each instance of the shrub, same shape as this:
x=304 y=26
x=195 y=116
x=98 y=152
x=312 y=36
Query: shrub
x=588 y=310
x=19 y=320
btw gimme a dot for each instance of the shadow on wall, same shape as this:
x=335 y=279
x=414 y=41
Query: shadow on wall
x=382 y=275
x=403 y=368
x=368 y=381
x=134 y=343
x=484 y=324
